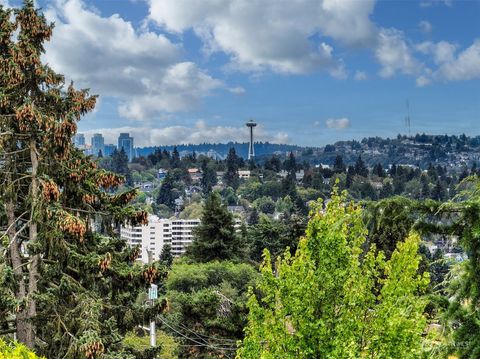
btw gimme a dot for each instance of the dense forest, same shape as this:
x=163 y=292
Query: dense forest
x=347 y=259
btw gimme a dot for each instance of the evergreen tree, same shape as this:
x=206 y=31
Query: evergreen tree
x=165 y=155
x=273 y=164
x=120 y=165
x=388 y=221
x=463 y=175
x=175 y=159
x=463 y=315
x=290 y=164
x=360 y=168
x=71 y=289
x=439 y=192
x=393 y=171
x=350 y=176
x=252 y=165
x=209 y=178
x=425 y=191
x=307 y=178
x=254 y=217
x=231 y=174
x=215 y=237
x=166 y=195
x=387 y=190
x=289 y=186
x=166 y=256
x=338 y=165
x=378 y=170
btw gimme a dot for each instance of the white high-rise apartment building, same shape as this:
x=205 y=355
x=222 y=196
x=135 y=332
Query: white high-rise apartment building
x=158 y=232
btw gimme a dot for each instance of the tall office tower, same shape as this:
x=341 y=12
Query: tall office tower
x=108 y=150
x=98 y=144
x=79 y=140
x=251 y=151
x=126 y=142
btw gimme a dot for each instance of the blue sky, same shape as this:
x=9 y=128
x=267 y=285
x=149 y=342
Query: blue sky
x=310 y=72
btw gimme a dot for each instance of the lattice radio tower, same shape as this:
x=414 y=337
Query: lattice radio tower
x=407 y=119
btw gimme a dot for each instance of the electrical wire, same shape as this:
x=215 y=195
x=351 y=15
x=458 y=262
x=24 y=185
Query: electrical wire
x=200 y=344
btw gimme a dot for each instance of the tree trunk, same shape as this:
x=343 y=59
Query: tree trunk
x=22 y=323
x=33 y=266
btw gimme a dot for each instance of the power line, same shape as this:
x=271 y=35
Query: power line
x=206 y=336
x=205 y=344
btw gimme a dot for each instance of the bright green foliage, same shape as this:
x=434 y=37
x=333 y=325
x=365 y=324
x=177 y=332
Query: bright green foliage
x=333 y=300
x=142 y=343
x=215 y=237
x=16 y=351
x=207 y=307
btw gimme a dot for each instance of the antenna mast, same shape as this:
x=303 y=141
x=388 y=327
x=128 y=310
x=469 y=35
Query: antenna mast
x=407 y=119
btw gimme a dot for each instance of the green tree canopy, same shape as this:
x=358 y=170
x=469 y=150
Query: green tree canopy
x=333 y=300
x=208 y=309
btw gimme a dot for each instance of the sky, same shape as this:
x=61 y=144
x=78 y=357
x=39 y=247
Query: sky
x=309 y=72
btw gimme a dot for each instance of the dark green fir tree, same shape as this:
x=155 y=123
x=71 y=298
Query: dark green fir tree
x=215 y=237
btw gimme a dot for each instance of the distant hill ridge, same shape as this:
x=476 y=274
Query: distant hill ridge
x=418 y=150
x=241 y=148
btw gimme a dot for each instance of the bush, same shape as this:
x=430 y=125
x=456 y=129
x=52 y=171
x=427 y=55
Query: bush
x=14 y=350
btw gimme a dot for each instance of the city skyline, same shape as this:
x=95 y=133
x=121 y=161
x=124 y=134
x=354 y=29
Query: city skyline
x=311 y=73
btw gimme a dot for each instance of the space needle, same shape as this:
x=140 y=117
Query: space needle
x=251 y=151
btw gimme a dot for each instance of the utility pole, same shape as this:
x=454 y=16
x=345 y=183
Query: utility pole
x=152 y=296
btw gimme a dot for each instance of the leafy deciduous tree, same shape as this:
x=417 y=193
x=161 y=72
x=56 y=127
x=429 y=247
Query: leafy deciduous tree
x=332 y=300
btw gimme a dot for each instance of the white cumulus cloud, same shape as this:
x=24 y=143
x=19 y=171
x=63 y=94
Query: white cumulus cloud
x=395 y=54
x=338 y=123
x=450 y=63
x=270 y=35
x=462 y=66
x=107 y=54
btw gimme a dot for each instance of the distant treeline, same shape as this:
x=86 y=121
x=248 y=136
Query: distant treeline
x=241 y=148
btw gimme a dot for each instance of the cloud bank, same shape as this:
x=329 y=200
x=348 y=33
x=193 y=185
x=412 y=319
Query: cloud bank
x=337 y=123
x=200 y=133
x=270 y=34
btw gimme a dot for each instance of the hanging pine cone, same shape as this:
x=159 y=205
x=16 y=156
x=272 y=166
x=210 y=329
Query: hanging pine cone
x=104 y=263
x=150 y=274
x=50 y=191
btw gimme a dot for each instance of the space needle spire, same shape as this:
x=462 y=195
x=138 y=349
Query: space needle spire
x=251 y=151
